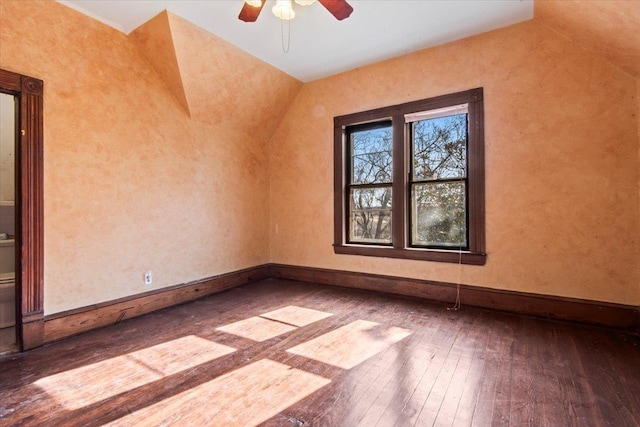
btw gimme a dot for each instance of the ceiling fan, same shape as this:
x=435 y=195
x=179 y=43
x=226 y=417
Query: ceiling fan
x=283 y=10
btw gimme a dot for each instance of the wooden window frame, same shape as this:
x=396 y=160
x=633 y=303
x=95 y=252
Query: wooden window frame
x=475 y=253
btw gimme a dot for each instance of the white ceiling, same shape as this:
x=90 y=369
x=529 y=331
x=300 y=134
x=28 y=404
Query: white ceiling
x=319 y=44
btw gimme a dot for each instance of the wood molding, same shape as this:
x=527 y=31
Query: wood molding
x=29 y=207
x=72 y=322
x=617 y=316
x=76 y=321
x=31 y=210
x=10 y=82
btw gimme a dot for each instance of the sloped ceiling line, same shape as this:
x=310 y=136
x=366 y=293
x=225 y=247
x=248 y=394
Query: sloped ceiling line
x=215 y=81
x=154 y=41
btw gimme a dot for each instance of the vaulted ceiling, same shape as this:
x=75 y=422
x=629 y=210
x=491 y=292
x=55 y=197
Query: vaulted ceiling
x=319 y=44
x=379 y=29
x=218 y=83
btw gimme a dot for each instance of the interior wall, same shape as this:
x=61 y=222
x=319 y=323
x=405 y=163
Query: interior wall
x=131 y=182
x=7 y=152
x=561 y=164
x=606 y=28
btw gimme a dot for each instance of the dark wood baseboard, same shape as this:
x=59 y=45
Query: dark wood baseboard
x=617 y=316
x=72 y=322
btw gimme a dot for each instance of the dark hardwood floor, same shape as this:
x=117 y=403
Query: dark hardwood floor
x=281 y=353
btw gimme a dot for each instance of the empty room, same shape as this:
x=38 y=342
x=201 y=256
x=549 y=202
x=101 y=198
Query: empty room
x=320 y=213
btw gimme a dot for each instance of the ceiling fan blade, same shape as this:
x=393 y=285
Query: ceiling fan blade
x=250 y=13
x=338 y=8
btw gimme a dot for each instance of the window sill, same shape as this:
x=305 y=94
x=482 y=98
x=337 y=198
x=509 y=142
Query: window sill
x=417 y=254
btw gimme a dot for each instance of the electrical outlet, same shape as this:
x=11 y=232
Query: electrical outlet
x=148 y=278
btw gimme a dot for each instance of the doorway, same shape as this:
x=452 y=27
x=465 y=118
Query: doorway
x=8 y=139
x=26 y=95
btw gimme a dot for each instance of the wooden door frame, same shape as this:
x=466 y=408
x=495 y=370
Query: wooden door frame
x=29 y=208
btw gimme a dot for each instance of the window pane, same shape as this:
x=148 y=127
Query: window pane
x=371 y=156
x=440 y=148
x=370 y=215
x=438 y=216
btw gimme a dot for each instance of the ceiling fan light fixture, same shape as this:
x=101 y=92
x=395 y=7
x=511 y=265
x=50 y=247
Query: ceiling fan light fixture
x=305 y=2
x=283 y=10
x=254 y=3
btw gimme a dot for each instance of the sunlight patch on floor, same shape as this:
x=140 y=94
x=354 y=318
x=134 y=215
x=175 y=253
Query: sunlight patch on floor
x=247 y=396
x=257 y=328
x=269 y=325
x=89 y=384
x=298 y=316
x=351 y=344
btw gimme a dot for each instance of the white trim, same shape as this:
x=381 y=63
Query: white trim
x=436 y=114
x=7 y=242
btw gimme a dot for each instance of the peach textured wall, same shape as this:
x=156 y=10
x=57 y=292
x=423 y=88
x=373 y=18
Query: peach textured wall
x=216 y=82
x=131 y=183
x=561 y=164
x=218 y=77
x=155 y=41
x=609 y=28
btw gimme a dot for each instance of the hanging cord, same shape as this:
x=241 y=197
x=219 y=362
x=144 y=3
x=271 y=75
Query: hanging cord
x=457 y=305
x=285 y=49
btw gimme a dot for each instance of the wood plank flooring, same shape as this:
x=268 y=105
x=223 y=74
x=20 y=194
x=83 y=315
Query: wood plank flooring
x=282 y=353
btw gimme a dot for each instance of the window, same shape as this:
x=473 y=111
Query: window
x=409 y=180
x=370 y=183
